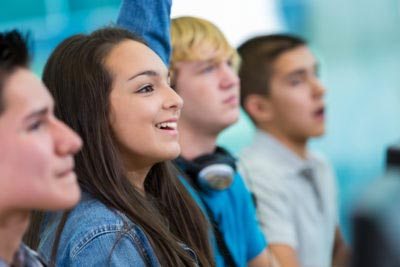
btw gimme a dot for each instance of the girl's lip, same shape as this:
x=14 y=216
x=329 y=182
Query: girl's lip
x=172 y=132
x=169 y=120
x=170 y=126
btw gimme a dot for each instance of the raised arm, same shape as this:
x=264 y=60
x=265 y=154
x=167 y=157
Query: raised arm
x=150 y=20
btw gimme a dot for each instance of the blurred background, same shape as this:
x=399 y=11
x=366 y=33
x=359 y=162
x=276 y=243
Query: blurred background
x=357 y=43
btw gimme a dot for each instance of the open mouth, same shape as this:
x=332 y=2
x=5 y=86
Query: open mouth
x=167 y=125
x=319 y=112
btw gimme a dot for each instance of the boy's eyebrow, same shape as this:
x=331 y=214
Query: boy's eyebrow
x=298 y=72
x=37 y=113
x=206 y=62
x=203 y=63
x=301 y=72
x=211 y=60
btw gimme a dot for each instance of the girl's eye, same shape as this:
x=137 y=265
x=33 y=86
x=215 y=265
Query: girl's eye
x=146 y=89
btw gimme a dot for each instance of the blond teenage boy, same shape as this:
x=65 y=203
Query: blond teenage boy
x=203 y=74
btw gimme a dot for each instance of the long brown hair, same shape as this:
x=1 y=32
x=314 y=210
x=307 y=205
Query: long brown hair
x=81 y=84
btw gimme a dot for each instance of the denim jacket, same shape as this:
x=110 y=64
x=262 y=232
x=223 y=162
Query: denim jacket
x=95 y=235
x=24 y=257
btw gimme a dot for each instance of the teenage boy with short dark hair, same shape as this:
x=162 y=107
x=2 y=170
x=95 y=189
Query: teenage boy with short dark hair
x=295 y=189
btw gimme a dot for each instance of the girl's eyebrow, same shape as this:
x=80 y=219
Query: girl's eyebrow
x=146 y=73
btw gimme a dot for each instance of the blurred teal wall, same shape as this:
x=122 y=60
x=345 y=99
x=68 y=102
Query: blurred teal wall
x=51 y=21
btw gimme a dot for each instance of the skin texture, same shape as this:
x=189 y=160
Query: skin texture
x=211 y=88
x=294 y=109
x=341 y=253
x=141 y=99
x=36 y=162
x=37 y=149
x=285 y=255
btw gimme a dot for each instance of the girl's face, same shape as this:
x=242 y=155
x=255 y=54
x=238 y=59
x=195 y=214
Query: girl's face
x=36 y=158
x=144 y=109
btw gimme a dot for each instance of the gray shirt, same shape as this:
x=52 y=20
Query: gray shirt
x=296 y=199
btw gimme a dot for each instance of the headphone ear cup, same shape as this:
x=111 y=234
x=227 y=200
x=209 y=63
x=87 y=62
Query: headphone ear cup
x=216 y=176
x=211 y=172
x=216 y=171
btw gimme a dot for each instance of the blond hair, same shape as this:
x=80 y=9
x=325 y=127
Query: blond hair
x=193 y=38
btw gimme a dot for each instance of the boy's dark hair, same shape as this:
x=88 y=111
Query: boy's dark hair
x=258 y=56
x=13 y=54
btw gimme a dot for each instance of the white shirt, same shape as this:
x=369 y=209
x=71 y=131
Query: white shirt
x=294 y=210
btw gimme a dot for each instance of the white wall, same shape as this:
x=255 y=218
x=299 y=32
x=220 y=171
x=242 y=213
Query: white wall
x=238 y=19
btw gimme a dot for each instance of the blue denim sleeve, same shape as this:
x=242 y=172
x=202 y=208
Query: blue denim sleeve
x=151 y=21
x=110 y=249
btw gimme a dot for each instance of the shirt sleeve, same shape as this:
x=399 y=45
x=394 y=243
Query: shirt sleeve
x=275 y=214
x=109 y=249
x=256 y=241
x=150 y=20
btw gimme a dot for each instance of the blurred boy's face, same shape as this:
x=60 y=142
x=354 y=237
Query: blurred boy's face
x=36 y=149
x=296 y=96
x=210 y=91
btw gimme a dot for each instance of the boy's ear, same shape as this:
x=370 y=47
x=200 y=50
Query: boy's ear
x=259 y=107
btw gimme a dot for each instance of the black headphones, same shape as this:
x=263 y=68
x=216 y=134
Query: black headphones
x=214 y=171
